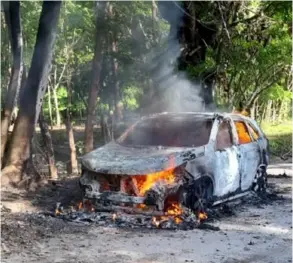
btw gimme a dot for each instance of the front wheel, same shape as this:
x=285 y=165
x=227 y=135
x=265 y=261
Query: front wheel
x=199 y=195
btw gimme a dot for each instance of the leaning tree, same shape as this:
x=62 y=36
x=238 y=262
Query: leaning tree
x=32 y=95
x=13 y=22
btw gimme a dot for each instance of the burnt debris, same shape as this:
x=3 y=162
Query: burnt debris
x=145 y=217
x=123 y=219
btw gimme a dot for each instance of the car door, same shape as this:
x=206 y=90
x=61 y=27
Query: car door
x=226 y=162
x=261 y=140
x=249 y=154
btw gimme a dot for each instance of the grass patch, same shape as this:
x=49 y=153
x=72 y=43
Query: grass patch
x=280 y=137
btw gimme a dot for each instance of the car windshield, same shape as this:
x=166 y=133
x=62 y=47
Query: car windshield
x=182 y=131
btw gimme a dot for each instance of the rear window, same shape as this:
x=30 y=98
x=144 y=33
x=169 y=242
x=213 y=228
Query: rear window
x=169 y=132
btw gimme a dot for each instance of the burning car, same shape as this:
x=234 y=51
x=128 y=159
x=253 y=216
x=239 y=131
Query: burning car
x=192 y=159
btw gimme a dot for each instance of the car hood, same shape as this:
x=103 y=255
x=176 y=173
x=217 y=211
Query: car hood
x=113 y=158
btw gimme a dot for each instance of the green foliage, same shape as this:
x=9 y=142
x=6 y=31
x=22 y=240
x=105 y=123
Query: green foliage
x=131 y=96
x=280 y=137
x=257 y=59
x=254 y=55
x=62 y=98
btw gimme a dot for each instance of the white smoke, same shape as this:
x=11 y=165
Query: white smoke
x=175 y=92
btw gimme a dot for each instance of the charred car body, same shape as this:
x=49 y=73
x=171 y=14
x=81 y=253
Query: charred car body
x=195 y=159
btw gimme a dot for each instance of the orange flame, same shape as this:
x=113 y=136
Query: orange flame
x=57 y=212
x=241 y=112
x=202 y=216
x=146 y=182
x=151 y=179
x=155 y=222
x=114 y=216
x=86 y=205
x=178 y=220
x=174 y=209
x=142 y=206
x=242 y=132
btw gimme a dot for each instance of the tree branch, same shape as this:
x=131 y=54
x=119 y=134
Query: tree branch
x=259 y=90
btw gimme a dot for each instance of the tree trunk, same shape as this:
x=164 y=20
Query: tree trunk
x=33 y=92
x=96 y=70
x=57 y=111
x=114 y=50
x=50 y=106
x=154 y=20
x=13 y=21
x=48 y=147
x=118 y=112
x=268 y=113
x=58 y=117
x=274 y=115
x=73 y=166
x=252 y=110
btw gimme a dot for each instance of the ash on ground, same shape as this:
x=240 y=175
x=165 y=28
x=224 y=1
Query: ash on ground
x=88 y=215
x=188 y=221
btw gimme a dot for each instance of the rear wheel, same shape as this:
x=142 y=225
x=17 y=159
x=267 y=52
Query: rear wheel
x=260 y=181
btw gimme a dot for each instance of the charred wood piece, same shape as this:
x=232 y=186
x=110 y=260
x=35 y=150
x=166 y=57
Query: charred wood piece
x=128 y=210
x=118 y=197
x=158 y=194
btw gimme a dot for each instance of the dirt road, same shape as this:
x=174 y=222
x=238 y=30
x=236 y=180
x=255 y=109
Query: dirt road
x=256 y=233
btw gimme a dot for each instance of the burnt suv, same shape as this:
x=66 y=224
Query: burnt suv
x=197 y=159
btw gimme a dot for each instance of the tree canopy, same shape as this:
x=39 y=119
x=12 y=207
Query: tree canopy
x=244 y=46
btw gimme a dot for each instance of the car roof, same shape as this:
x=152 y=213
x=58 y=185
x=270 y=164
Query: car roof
x=201 y=115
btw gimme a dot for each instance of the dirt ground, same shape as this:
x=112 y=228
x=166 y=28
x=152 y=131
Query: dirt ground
x=257 y=232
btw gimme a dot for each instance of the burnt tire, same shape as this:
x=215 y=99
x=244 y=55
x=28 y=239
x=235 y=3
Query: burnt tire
x=200 y=195
x=261 y=180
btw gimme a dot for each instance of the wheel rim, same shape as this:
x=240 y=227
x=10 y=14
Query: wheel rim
x=201 y=193
x=260 y=184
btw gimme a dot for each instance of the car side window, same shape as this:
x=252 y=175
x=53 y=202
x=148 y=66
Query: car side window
x=242 y=132
x=253 y=131
x=224 y=138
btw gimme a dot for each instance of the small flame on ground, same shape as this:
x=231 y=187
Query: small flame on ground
x=114 y=216
x=86 y=206
x=57 y=212
x=178 y=220
x=174 y=209
x=142 y=206
x=155 y=222
x=202 y=216
x=174 y=212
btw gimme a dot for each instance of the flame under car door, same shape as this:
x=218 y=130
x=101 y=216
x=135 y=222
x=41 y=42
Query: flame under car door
x=249 y=154
x=226 y=162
